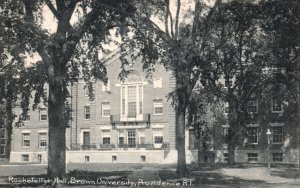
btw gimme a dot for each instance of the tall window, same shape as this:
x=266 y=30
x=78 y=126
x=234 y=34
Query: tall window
x=105 y=109
x=42 y=139
x=252 y=106
x=25 y=139
x=87 y=113
x=277 y=134
x=142 y=136
x=131 y=138
x=276 y=105
x=132 y=100
x=3 y=138
x=252 y=135
x=105 y=134
x=158 y=107
x=43 y=114
x=121 y=137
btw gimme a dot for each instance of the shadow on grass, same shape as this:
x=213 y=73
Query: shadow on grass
x=216 y=166
x=286 y=173
x=213 y=178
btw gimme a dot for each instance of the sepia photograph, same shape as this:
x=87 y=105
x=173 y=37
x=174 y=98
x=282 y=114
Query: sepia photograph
x=150 y=93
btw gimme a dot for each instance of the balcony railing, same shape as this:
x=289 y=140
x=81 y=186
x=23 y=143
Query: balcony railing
x=78 y=147
x=116 y=119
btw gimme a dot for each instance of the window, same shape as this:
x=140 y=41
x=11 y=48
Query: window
x=142 y=136
x=43 y=114
x=158 y=136
x=143 y=158
x=26 y=139
x=225 y=135
x=277 y=157
x=106 y=87
x=105 y=136
x=40 y=158
x=252 y=157
x=25 y=117
x=42 y=139
x=121 y=137
x=87 y=113
x=114 y=158
x=277 y=134
x=225 y=157
x=105 y=109
x=252 y=135
x=132 y=99
x=87 y=159
x=86 y=92
x=158 y=107
x=276 y=105
x=131 y=138
x=157 y=82
x=252 y=106
x=25 y=158
x=3 y=138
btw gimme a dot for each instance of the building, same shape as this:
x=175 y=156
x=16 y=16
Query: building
x=128 y=121
x=272 y=114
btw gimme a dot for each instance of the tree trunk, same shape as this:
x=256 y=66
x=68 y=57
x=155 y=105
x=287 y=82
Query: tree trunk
x=231 y=153
x=57 y=122
x=180 y=124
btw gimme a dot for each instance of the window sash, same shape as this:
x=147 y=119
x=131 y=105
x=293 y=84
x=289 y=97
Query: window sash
x=252 y=134
x=87 y=114
x=252 y=157
x=25 y=158
x=277 y=157
x=277 y=134
x=42 y=139
x=26 y=139
x=252 y=106
x=276 y=105
x=158 y=108
x=131 y=138
x=105 y=109
x=106 y=140
x=43 y=114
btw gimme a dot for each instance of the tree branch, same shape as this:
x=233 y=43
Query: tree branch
x=52 y=8
x=177 y=19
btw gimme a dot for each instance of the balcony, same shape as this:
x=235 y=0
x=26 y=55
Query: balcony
x=117 y=119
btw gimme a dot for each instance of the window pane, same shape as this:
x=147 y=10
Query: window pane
x=277 y=135
x=131 y=138
x=277 y=157
x=252 y=157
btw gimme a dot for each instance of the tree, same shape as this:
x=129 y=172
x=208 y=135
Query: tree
x=67 y=53
x=201 y=115
x=180 y=45
x=283 y=23
x=239 y=56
